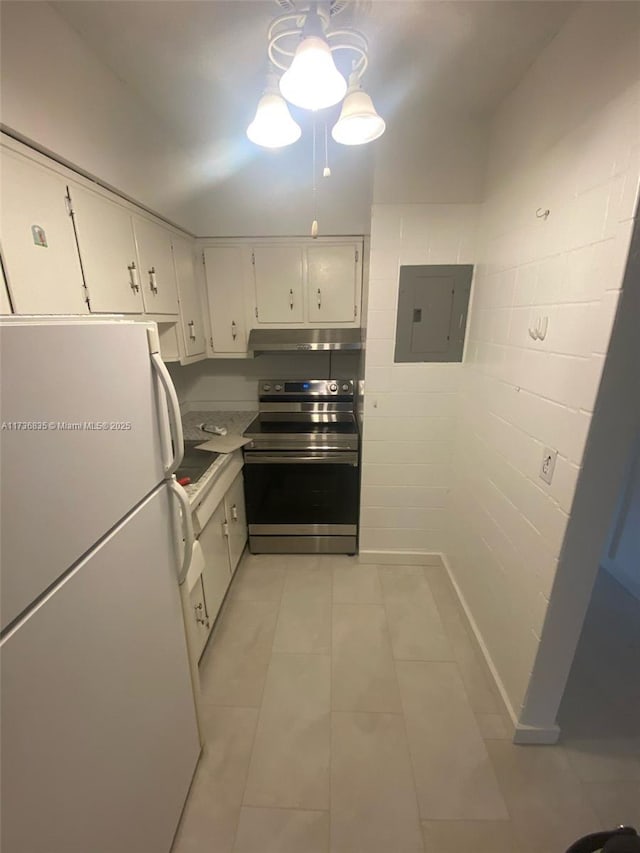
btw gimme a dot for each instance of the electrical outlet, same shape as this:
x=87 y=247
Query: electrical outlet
x=548 y=464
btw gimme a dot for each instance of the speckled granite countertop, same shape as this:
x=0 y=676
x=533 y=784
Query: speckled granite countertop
x=235 y=422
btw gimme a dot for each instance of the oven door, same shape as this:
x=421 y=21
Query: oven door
x=309 y=498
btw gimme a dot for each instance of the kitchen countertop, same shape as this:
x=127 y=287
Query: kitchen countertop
x=235 y=422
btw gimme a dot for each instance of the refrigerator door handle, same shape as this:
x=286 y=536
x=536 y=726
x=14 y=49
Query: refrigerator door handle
x=187 y=527
x=175 y=421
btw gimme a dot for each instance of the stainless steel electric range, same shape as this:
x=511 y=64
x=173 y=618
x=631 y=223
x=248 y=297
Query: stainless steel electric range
x=301 y=472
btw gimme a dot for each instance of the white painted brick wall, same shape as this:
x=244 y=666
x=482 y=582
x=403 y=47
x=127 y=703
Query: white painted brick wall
x=519 y=395
x=411 y=410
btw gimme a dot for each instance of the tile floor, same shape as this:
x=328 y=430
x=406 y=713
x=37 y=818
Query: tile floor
x=346 y=709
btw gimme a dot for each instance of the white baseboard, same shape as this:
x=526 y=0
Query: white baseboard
x=400 y=558
x=533 y=735
x=483 y=648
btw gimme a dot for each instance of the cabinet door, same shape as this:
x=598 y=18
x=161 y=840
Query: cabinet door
x=197 y=621
x=216 y=575
x=278 y=284
x=225 y=268
x=38 y=241
x=191 y=318
x=332 y=281
x=157 y=273
x=108 y=252
x=237 y=520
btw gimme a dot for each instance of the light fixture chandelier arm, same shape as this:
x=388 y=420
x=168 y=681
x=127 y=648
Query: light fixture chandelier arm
x=283 y=39
x=273 y=48
x=360 y=64
x=298 y=17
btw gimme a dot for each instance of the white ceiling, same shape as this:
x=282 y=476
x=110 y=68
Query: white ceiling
x=435 y=68
x=200 y=65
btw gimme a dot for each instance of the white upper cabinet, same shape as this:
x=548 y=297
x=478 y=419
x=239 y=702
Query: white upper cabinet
x=108 y=252
x=225 y=268
x=333 y=276
x=278 y=277
x=157 y=273
x=191 y=319
x=38 y=242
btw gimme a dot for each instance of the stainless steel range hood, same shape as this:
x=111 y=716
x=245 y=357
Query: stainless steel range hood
x=304 y=340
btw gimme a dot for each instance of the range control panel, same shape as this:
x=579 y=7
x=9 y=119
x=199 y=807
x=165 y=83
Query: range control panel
x=305 y=387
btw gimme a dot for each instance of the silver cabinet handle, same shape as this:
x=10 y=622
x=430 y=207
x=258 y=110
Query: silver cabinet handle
x=319 y=298
x=234 y=513
x=134 y=282
x=234 y=332
x=192 y=333
x=153 y=283
x=291 y=300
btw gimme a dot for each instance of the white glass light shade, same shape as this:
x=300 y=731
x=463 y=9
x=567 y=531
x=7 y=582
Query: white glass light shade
x=359 y=122
x=273 y=126
x=312 y=81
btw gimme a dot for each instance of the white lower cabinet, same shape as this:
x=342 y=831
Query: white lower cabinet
x=220 y=546
x=216 y=574
x=196 y=619
x=236 y=521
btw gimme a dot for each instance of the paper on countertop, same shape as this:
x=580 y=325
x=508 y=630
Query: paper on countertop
x=223 y=443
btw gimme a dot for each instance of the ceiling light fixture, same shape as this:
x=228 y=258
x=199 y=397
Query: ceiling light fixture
x=359 y=122
x=302 y=44
x=312 y=81
x=273 y=126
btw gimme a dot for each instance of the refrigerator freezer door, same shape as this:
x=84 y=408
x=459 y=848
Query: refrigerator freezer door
x=99 y=735
x=83 y=438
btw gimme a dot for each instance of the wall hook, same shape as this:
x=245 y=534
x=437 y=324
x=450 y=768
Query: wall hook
x=541 y=213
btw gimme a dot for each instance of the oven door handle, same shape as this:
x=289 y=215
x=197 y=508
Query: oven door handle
x=320 y=458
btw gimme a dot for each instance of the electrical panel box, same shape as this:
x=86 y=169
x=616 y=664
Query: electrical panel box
x=433 y=300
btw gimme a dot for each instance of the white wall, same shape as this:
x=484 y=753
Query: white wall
x=410 y=409
x=56 y=93
x=270 y=193
x=439 y=158
x=565 y=140
x=232 y=384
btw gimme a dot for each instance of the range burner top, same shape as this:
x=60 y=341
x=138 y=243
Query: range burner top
x=305 y=414
x=260 y=426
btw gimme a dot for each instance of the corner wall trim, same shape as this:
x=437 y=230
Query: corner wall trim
x=400 y=558
x=532 y=735
x=485 y=653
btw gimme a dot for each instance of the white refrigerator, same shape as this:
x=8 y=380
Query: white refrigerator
x=99 y=738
